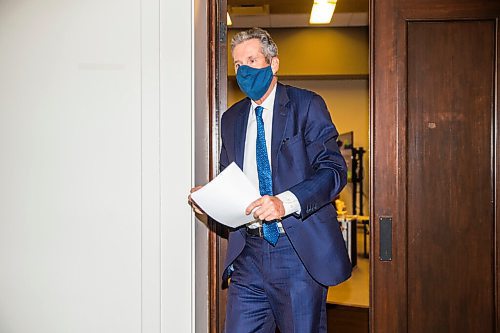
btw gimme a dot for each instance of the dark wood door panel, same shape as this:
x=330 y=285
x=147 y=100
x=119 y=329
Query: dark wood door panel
x=450 y=217
x=435 y=165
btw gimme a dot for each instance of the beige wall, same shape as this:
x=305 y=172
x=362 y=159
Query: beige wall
x=325 y=53
x=347 y=101
x=318 y=51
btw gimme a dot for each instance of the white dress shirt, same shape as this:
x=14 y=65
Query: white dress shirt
x=290 y=201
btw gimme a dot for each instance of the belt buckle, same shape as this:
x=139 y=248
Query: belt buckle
x=259 y=231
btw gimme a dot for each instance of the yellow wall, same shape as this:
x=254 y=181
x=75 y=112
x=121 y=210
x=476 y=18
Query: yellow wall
x=326 y=51
x=347 y=101
x=318 y=51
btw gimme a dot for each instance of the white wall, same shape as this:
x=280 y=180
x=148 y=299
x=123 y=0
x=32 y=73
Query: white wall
x=96 y=113
x=201 y=157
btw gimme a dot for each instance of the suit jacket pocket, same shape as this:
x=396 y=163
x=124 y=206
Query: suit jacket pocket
x=289 y=142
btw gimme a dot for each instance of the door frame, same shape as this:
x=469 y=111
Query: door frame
x=217 y=100
x=217 y=97
x=384 y=275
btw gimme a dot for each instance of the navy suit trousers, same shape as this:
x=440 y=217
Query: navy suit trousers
x=270 y=286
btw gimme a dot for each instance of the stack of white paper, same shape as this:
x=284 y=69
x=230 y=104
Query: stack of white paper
x=227 y=196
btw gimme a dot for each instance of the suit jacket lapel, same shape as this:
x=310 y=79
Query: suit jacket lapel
x=280 y=118
x=240 y=131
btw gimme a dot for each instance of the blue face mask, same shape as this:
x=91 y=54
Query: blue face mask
x=254 y=82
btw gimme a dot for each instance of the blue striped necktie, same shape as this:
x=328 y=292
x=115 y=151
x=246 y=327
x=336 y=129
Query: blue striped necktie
x=270 y=230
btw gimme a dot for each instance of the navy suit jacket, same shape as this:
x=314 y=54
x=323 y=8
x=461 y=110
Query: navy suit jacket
x=305 y=160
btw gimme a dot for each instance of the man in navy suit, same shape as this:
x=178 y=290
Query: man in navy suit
x=283 y=139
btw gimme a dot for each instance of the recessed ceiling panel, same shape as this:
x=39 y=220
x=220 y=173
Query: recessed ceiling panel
x=300 y=6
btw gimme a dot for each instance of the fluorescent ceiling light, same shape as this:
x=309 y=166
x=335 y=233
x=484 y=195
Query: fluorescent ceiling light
x=229 y=22
x=322 y=11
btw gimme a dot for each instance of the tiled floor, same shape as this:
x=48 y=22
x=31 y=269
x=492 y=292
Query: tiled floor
x=355 y=291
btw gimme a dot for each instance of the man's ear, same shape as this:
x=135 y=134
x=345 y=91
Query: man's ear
x=275 y=65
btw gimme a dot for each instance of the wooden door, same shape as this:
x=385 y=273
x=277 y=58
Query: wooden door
x=435 y=166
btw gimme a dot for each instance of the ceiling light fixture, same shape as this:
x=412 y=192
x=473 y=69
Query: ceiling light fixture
x=322 y=11
x=229 y=22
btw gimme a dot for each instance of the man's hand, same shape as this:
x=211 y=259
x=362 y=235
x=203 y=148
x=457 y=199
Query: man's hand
x=269 y=208
x=195 y=207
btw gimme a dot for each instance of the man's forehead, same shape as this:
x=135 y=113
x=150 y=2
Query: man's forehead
x=251 y=45
x=247 y=50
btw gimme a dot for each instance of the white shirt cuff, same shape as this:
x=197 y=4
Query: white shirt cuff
x=290 y=202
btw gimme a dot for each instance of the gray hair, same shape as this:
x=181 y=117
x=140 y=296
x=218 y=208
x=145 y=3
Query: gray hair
x=269 y=48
